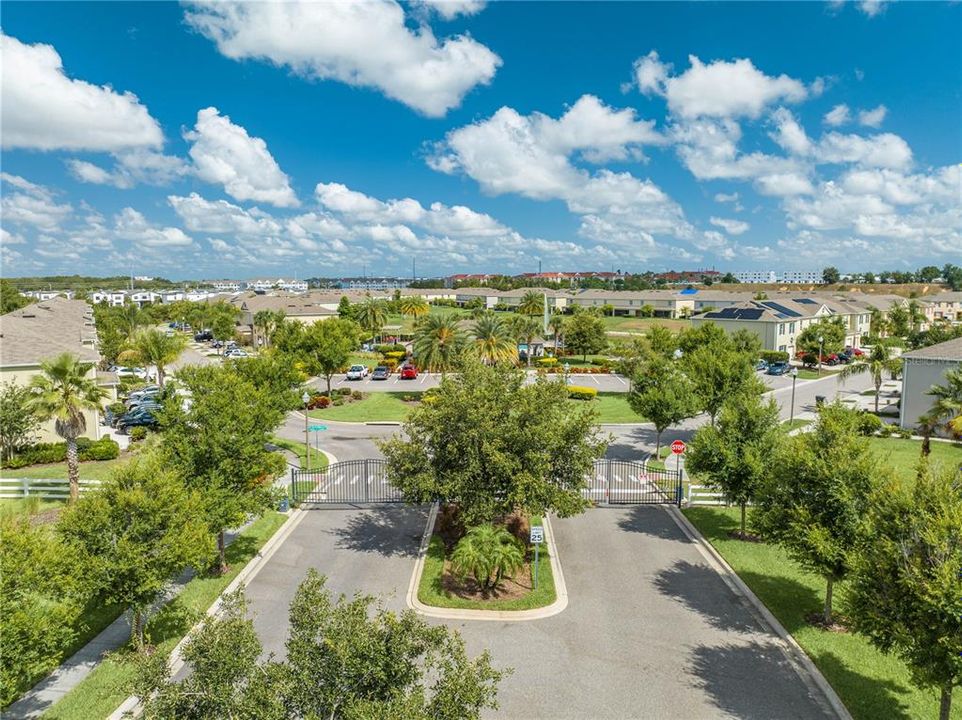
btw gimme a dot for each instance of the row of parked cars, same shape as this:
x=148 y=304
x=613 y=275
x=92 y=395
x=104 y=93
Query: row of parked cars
x=140 y=409
x=231 y=349
x=381 y=372
x=784 y=367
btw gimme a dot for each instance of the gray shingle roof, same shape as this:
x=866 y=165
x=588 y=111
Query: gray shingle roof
x=45 y=329
x=948 y=350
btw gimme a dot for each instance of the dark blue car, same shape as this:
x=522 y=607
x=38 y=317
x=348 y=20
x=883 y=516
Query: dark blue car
x=779 y=368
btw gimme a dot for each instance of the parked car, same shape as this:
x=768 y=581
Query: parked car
x=235 y=352
x=204 y=336
x=128 y=372
x=140 y=417
x=761 y=365
x=381 y=372
x=779 y=368
x=357 y=372
x=409 y=372
x=140 y=398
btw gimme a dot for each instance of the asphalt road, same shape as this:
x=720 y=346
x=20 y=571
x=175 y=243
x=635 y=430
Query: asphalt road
x=651 y=631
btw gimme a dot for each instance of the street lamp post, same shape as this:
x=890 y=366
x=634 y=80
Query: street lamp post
x=567 y=368
x=791 y=414
x=821 y=350
x=306 y=398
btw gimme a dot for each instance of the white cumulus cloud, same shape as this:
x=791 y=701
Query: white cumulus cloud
x=731 y=226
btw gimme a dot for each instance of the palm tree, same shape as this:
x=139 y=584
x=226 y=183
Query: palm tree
x=265 y=322
x=557 y=325
x=525 y=330
x=413 y=305
x=916 y=316
x=153 y=347
x=63 y=392
x=438 y=343
x=493 y=342
x=878 y=361
x=532 y=303
x=371 y=316
x=130 y=318
x=878 y=325
x=487 y=553
x=947 y=407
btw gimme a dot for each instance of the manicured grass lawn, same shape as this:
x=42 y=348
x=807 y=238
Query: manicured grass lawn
x=431 y=592
x=903 y=455
x=318 y=459
x=376 y=406
x=641 y=325
x=611 y=407
x=871 y=685
x=92 y=470
x=109 y=684
x=15 y=506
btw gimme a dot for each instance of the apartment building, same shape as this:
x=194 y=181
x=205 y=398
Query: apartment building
x=945 y=306
x=801 y=277
x=110 y=297
x=266 y=284
x=756 y=276
x=921 y=369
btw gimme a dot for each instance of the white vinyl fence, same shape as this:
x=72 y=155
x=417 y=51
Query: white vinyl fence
x=48 y=489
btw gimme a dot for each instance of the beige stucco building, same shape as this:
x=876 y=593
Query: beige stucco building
x=921 y=369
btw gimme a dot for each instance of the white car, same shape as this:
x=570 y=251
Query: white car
x=235 y=352
x=129 y=372
x=357 y=372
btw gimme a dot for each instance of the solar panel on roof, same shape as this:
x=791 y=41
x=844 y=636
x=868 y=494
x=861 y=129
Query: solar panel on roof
x=781 y=309
x=805 y=301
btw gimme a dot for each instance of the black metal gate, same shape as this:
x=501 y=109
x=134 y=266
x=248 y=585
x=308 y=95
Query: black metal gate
x=350 y=481
x=625 y=482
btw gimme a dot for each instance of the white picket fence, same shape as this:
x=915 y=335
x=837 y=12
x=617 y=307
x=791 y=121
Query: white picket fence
x=48 y=489
x=703 y=495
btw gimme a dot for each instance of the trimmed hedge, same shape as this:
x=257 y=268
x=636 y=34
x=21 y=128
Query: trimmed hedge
x=547 y=361
x=580 y=392
x=773 y=356
x=869 y=424
x=48 y=453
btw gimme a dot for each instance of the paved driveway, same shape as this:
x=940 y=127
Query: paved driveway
x=651 y=631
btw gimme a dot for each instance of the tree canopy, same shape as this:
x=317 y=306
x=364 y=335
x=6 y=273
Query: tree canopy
x=492 y=444
x=662 y=394
x=584 y=334
x=832 y=332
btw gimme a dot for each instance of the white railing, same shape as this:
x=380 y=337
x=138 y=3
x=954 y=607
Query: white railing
x=47 y=488
x=703 y=495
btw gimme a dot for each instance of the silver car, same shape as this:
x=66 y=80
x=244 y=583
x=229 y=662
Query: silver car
x=357 y=372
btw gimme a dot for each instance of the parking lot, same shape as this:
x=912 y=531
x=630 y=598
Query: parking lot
x=651 y=629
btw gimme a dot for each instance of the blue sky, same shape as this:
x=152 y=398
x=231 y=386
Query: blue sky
x=195 y=140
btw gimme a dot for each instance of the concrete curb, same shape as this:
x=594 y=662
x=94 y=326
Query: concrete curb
x=797 y=657
x=561 y=590
x=131 y=706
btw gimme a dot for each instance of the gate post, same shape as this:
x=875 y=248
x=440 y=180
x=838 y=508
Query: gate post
x=678 y=489
x=367 y=479
x=607 y=482
x=293 y=486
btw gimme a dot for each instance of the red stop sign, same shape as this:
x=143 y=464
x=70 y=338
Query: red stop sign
x=678 y=447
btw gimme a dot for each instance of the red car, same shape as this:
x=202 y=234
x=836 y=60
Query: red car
x=409 y=372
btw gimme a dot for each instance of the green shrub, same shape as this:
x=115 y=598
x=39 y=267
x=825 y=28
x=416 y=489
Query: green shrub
x=773 y=356
x=869 y=424
x=602 y=362
x=487 y=553
x=547 y=361
x=390 y=363
x=385 y=349
x=343 y=391
x=887 y=430
x=357 y=395
x=338 y=401
x=138 y=433
x=117 y=408
x=904 y=433
x=580 y=392
x=104 y=449
x=396 y=354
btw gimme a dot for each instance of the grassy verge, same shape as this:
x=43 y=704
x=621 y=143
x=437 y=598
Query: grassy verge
x=807 y=374
x=903 y=455
x=318 y=459
x=611 y=407
x=92 y=470
x=376 y=406
x=795 y=424
x=871 y=685
x=431 y=592
x=641 y=325
x=108 y=685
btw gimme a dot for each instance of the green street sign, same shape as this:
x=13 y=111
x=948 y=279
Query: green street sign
x=317 y=428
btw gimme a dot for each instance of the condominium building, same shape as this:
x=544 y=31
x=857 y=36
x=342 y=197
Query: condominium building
x=801 y=277
x=921 y=369
x=756 y=276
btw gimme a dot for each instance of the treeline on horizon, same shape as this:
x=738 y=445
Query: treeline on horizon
x=92 y=282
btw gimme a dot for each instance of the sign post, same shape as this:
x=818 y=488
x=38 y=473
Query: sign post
x=678 y=447
x=317 y=445
x=537 y=537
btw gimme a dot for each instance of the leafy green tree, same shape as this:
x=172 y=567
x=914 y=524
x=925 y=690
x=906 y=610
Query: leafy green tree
x=10 y=297
x=221 y=317
x=878 y=324
x=438 y=343
x=63 y=392
x=729 y=279
x=880 y=360
x=219 y=445
x=487 y=553
x=327 y=346
x=717 y=372
x=265 y=323
x=947 y=406
x=493 y=342
x=746 y=342
x=492 y=445
x=345 y=310
x=371 y=316
x=111 y=336
x=734 y=455
x=905 y=593
x=274 y=372
x=915 y=315
x=952 y=274
x=898 y=320
x=137 y=533
x=663 y=395
x=41 y=597
x=832 y=332
x=700 y=335
x=18 y=420
x=150 y=346
x=532 y=303
x=662 y=340
x=830 y=275
x=585 y=334
x=632 y=357
x=816 y=497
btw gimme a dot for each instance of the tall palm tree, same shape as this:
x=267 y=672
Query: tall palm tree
x=878 y=325
x=63 y=392
x=371 y=316
x=493 y=343
x=150 y=346
x=916 y=316
x=557 y=325
x=265 y=322
x=525 y=330
x=413 y=305
x=438 y=343
x=878 y=362
x=532 y=303
x=947 y=407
